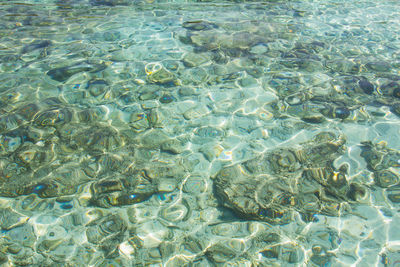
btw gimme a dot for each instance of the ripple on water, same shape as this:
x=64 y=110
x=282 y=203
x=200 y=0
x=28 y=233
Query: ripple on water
x=140 y=133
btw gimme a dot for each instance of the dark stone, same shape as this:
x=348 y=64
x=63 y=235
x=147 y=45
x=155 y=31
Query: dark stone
x=255 y=72
x=53 y=117
x=379 y=66
x=385 y=178
x=396 y=92
x=313 y=119
x=96 y=87
x=43 y=190
x=390 y=89
x=165 y=99
x=198 y=25
x=64 y=73
x=379 y=157
x=28 y=111
x=112 y=36
x=342 y=112
x=209 y=132
x=52 y=102
x=395 y=109
x=35 y=45
x=259 y=188
x=335 y=112
x=356 y=192
x=366 y=86
x=108 y=2
x=394 y=193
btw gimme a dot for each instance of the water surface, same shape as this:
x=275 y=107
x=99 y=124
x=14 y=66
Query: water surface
x=199 y=133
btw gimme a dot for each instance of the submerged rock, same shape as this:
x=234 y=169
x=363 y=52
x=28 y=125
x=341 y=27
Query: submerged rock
x=9 y=144
x=287 y=253
x=10 y=219
x=109 y=2
x=161 y=76
x=366 y=86
x=63 y=181
x=64 y=73
x=53 y=117
x=9 y=122
x=395 y=109
x=97 y=87
x=153 y=138
x=386 y=178
x=383 y=162
x=98 y=138
x=379 y=157
x=28 y=111
x=224 y=251
x=336 y=112
x=120 y=199
x=205 y=36
x=393 y=194
x=198 y=25
x=195 y=60
x=276 y=184
x=37 y=44
x=107 y=232
x=390 y=89
x=166 y=98
x=378 y=66
x=173 y=146
x=139 y=121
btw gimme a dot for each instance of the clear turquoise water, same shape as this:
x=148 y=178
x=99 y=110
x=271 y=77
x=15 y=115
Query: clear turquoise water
x=199 y=133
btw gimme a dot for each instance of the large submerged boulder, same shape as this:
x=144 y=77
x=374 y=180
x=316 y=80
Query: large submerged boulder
x=275 y=185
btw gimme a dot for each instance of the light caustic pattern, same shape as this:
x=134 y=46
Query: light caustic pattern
x=185 y=133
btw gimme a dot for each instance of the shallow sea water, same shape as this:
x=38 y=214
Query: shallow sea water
x=199 y=133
